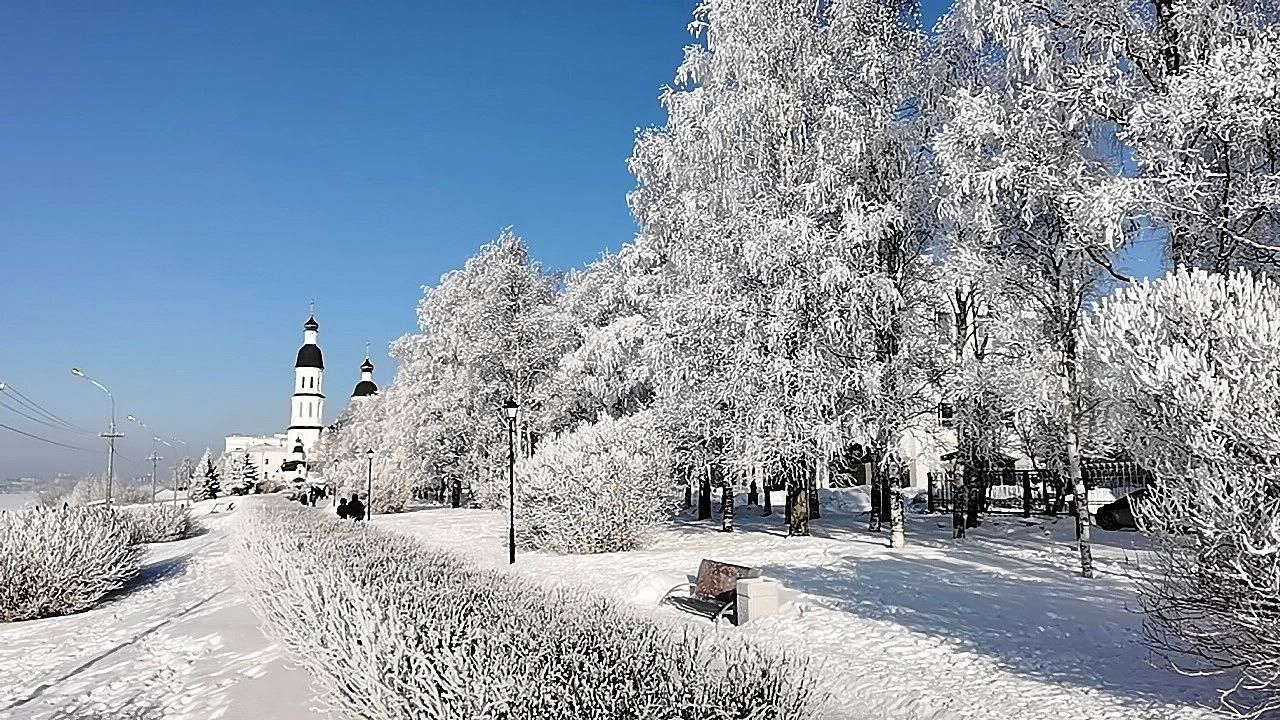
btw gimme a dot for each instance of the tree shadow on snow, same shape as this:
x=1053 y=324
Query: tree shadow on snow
x=152 y=574
x=1064 y=630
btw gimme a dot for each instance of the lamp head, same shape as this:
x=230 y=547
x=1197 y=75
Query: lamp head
x=512 y=408
x=132 y=418
x=77 y=372
x=369 y=453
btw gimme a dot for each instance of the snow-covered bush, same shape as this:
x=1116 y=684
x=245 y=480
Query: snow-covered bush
x=156 y=523
x=1190 y=365
x=92 y=489
x=391 y=629
x=599 y=488
x=56 y=561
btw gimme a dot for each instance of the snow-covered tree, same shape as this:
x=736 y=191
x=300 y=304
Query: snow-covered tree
x=1031 y=174
x=784 y=202
x=1189 y=366
x=608 y=309
x=183 y=473
x=207 y=485
x=343 y=454
x=248 y=481
x=490 y=332
x=235 y=468
x=1202 y=129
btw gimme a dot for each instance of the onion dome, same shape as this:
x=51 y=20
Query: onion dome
x=309 y=355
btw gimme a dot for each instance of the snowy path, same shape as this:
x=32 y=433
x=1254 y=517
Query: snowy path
x=1000 y=626
x=179 y=644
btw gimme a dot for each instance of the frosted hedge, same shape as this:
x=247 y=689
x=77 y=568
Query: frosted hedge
x=392 y=630
x=57 y=561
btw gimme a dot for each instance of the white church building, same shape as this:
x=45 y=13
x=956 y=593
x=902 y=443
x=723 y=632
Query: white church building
x=281 y=458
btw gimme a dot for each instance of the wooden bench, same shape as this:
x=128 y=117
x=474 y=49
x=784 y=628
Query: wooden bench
x=714 y=592
x=230 y=506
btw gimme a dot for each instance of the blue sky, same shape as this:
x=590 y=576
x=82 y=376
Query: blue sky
x=178 y=179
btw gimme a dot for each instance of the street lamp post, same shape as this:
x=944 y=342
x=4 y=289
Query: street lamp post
x=111 y=434
x=153 y=458
x=368 y=496
x=186 y=451
x=512 y=409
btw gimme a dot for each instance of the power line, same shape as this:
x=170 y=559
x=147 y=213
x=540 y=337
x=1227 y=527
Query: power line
x=33 y=418
x=37 y=407
x=37 y=437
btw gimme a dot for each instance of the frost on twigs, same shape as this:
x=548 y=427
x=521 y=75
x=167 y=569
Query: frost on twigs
x=57 y=561
x=1191 y=368
x=602 y=487
x=390 y=629
x=156 y=523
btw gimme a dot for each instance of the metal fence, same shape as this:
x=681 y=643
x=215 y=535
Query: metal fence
x=1005 y=490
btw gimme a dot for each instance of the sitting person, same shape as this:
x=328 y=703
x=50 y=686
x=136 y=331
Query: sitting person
x=343 y=509
x=355 y=508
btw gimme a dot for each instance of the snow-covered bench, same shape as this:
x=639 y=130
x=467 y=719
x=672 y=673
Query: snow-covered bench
x=714 y=592
x=230 y=506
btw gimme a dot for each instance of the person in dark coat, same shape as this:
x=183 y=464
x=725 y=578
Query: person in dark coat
x=355 y=508
x=343 y=508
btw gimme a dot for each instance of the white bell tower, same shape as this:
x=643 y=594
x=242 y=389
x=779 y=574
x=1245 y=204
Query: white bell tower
x=307 y=414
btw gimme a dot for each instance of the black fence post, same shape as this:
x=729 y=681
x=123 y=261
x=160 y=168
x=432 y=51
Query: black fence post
x=930 y=506
x=1026 y=493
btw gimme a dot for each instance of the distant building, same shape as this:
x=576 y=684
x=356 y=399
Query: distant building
x=281 y=458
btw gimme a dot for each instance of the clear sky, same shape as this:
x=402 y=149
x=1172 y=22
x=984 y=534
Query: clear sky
x=179 y=179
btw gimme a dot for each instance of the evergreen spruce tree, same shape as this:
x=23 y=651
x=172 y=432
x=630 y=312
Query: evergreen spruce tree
x=249 y=479
x=207 y=485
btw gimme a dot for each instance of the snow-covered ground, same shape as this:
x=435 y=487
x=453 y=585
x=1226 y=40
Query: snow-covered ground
x=178 y=643
x=996 y=626
x=999 y=625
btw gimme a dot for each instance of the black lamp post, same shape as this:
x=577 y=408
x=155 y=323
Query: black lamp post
x=368 y=496
x=512 y=409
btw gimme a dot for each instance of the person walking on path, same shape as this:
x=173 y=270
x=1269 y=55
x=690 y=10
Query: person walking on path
x=355 y=508
x=343 y=509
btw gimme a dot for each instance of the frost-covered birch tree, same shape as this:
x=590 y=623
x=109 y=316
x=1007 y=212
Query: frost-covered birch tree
x=1031 y=172
x=1203 y=128
x=781 y=199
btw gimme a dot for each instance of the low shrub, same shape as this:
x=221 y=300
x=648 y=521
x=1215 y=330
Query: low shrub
x=156 y=523
x=390 y=629
x=57 y=561
x=601 y=488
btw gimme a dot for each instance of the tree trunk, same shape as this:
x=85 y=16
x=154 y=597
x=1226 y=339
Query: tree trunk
x=457 y=493
x=873 y=522
x=798 y=520
x=753 y=493
x=768 y=498
x=973 y=496
x=897 y=521
x=958 y=503
x=704 y=497
x=1072 y=447
x=815 y=507
x=688 y=493
x=726 y=508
